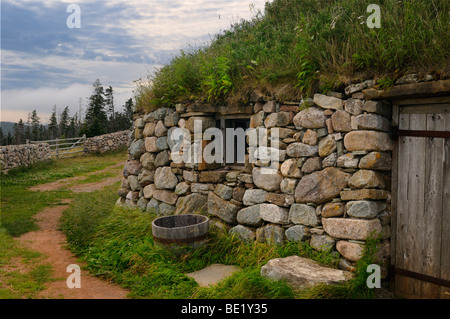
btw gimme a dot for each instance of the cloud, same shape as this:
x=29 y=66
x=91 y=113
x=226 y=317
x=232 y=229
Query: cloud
x=18 y=105
x=119 y=41
x=61 y=71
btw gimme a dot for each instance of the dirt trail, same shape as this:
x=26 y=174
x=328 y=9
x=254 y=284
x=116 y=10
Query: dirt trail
x=50 y=241
x=81 y=187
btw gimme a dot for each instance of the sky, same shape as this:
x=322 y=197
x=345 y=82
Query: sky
x=44 y=62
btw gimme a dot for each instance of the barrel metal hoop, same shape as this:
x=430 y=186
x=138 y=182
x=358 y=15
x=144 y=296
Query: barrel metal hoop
x=179 y=241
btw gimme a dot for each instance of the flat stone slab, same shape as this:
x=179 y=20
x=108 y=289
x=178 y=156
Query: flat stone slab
x=212 y=274
x=302 y=272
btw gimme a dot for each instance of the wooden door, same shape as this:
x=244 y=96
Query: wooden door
x=421 y=199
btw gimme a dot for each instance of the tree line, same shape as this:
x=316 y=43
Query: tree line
x=101 y=117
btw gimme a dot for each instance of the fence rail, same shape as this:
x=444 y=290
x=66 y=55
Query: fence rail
x=64 y=148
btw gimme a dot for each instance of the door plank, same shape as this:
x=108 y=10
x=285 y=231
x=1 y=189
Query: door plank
x=445 y=230
x=416 y=201
x=434 y=170
x=401 y=283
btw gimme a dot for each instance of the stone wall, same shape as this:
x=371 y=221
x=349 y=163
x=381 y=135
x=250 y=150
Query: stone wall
x=331 y=186
x=13 y=156
x=107 y=142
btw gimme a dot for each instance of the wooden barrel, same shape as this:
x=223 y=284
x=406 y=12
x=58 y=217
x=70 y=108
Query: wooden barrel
x=180 y=230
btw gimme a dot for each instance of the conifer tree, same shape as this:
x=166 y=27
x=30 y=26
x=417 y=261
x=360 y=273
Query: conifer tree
x=19 y=133
x=53 y=125
x=96 y=118
x=64 y=122
x=35 y=122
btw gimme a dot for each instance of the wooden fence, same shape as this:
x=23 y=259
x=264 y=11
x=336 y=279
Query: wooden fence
x=64 y=148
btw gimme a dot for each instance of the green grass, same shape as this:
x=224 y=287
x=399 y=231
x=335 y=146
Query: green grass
x=19 y=205
x=296 y=47
x=94 y=178
x=80 y=227
x=117 y=244
x=22 y=275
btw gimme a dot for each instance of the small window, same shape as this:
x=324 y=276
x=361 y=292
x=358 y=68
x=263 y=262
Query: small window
x=235 y=143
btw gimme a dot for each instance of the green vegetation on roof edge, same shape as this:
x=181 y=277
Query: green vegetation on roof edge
x=297 y=47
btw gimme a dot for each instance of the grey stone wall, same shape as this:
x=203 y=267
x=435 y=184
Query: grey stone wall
x=13 y=156
x=331 y=186
x=107 y=142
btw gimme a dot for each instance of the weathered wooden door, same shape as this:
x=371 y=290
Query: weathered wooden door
x=421 y=199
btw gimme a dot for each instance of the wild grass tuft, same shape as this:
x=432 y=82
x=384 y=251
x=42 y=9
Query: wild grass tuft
x=305 y=45
x=355 y=288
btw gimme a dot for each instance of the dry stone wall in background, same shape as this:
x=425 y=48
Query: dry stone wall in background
x=13 y=156
x=108 y=142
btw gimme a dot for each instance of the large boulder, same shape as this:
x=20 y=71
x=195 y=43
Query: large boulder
x=297 y=233
x=364 y=208
x=272 y=234
x=150 y=144
x=371 y=122
x=149 y=129
x=349 y=250
x=289 y=168
x=377 y=161
x=203 y=122
x=137 y=148
x=257 y=119
x=191 y=204
x=328 y=102
x=322 y=186
x=277 y=120
x=267 y=178
x=165 y=178
x=288 y=185
x=303 y=214
x=341 y=121
x=366 y=179
x=148 y=161
x=301 y=272
x=132 y=167
x=283 y=200
x=310 y=118
x=250 y=216
x=333 y=210
x=350 y=228
x=327 y=145
x=310 y=137
x=322 y=242
x=223 y=209
x=160 y=129
x=274 y=214
x=243 y=233
x=165 y=196
x=254 y=196
x=354 y=106
x=348 y=160
x=162 y=159
x=301 y=150
x=368 y=141
x=225 y=192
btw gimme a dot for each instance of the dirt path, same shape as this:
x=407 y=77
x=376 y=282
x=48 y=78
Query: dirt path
x=81 y=187
x=49 y=241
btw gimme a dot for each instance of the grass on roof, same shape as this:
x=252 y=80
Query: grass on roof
x=296 y=47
